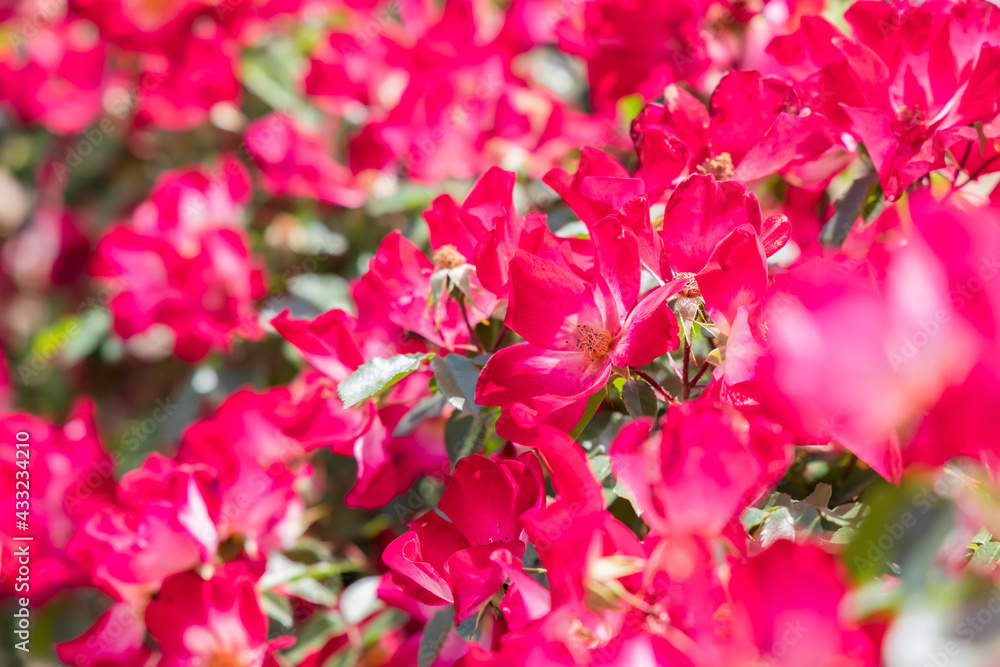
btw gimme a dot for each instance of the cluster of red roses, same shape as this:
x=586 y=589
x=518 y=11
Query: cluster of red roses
x=599 y=420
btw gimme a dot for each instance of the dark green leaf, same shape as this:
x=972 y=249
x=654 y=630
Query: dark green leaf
x=94 y=327
x=326 y=292
x=819 y=499
x=467 y=627
x=902 y=533
x=425 y=409
x=321 y=626
x=601 y=465
x=277 y=607
x=435 y=635
x=639 y=399
x=848 y=208
x=460 y=433
x=465 y=434
x=456 y=379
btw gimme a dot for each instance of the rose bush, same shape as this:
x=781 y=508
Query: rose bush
x=545 y=332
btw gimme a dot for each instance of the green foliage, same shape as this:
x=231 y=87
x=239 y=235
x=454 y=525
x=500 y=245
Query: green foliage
x=378 y=375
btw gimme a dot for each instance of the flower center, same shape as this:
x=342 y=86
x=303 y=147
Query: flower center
x=911 y=116
x=910 y=124
x=579 y=634
x=720 y=166
x=447 y=257
x=691 y=289
x=593 y=342
x=225 y=660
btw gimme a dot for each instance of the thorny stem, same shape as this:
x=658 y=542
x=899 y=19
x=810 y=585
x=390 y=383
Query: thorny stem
x=499 y=340
x=982 y=169
x=849 y=468
x=961 y=165
x=664 y=395
x=472 y=332
x=701 y=371
x=973 y=176
x=686 y=390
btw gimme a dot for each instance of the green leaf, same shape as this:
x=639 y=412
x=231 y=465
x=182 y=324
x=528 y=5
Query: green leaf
x=819 y=499
x=709 y=331
x=435 y=635
x=94 y=327
x=277 y=607
x=981 y=137
x=601 y=465
x=779 y=499
x=280 y=570
x=593 y=405
x=849 y=514
x=378 y=375
x=902 y=533
x=460 y=433
x=573 y=230
x=623 y=492
x=986 y=557
x=301 y=580
x=843 y=535
x=313 y=591
x=630 y=106
x=50 y=343
x=779 y=525
x=753 y=517
x=982 y=537
x=425 y=409
x=465 y=434
x=267 y=75
x=321 y=626
x=325 y=291
x=639 y=399
x=687 y=309
x=848 y=208
x=491 y=443
x=460 y=280
x=439 y=283
x=456 y=377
